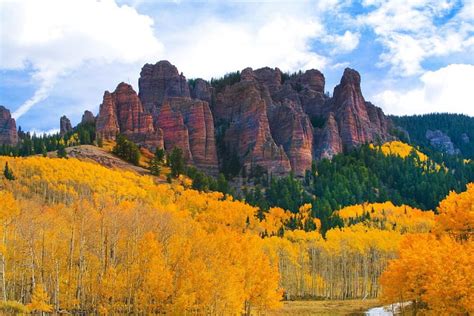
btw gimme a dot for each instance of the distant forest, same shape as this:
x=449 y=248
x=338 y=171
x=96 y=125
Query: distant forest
x=453 y=125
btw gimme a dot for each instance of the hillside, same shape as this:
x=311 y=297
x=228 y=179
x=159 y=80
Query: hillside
x=98 y=240
x=248 y=119
x=447 y=133
x=101 y=156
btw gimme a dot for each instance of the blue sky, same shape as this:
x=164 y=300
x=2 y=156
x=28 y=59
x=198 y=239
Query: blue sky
x=59 y=56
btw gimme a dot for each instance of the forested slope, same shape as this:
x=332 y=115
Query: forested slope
x=459 y=128
x=79 y=237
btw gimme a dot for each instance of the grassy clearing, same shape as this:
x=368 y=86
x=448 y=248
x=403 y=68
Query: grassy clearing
x=348 y=307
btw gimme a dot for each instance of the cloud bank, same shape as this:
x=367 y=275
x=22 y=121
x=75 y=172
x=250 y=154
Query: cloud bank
x=449 y=89
x=54 y=37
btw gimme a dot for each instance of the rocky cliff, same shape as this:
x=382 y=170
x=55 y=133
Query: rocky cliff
x=8 y=131
x=64 y=125
x=123 y=112
x=359 y=121
x=189 y=125
x=158 y=82
x=88 y=118
x=262 y=117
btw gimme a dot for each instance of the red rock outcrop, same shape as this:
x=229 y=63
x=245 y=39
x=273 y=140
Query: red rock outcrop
x=158 y=82
x=188 y=124
x=8 y=131
x=88 y=118
x=328 y=141
x=122 y=112
x=358 y=123
x=291 y=128
x=202 y=90
x=64 y=125
x=268 y=118
x=242 y=109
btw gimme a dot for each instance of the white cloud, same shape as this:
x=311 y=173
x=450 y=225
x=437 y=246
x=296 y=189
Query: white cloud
x=448 y=89
x=54 y=37
x=410 y=33
x=343 y=43
x=212 y=47
x=47 y=132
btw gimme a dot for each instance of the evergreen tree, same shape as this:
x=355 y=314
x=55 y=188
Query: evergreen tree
x=155 y=164
x=127 y=150
x=160 y=155
x=8 y=173
x=176 y=162
x=62 y=152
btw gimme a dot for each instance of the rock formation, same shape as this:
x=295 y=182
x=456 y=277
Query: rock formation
x=241 y=111
x=88 y=118
x=64 y=125
x=278 y=121
x=189 y=125
x=123 y=112
x=158 y=82
x=441 y=141
x=294 y=114
x=8 y=131
x=359 y=122
x=328 y=140
x=202 y=90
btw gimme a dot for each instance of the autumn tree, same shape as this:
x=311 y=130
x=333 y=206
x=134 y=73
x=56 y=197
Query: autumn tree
x=40 y=300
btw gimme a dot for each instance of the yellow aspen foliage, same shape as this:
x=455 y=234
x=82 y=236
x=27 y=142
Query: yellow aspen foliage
x=9 y=207
x=456 y=214
x=401 y=149
x=435 y=274
x=39 y=300
x=385 y=215
x=434 y=270
x=109 y=242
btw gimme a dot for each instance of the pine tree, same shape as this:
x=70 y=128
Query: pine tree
x=62 y=152
x=8 y=173
x=176 y=162
x=155 y=166
x=160 y=155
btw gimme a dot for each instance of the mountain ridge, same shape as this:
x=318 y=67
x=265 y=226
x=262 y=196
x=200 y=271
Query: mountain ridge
x=265 y=118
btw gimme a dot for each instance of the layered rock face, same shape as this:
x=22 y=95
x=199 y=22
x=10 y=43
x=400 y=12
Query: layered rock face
x=268 y=118
x=88 y=118
x=202 y=90
x=64 y=125
x=359 y=121
x=241 y=111
x=443 y=142
x=158 y=82
x=8 y=131
x=328 y=141
x=123 y=112
x=188 y=124
x=293 y=113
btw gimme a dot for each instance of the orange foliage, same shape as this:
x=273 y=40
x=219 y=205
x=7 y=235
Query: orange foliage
x=108 y=241
x=434 y=270
x=388 y=216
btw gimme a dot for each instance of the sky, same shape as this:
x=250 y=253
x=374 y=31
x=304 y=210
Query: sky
x=57 y=57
